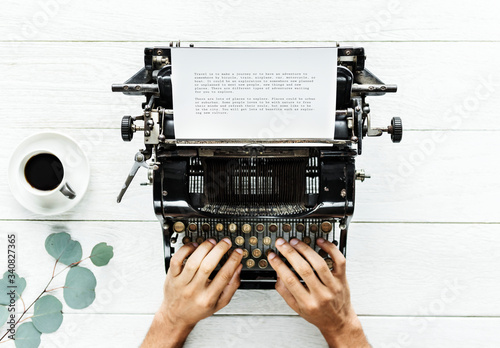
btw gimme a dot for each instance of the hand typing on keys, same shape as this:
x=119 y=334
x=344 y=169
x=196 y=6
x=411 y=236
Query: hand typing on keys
x=324 y=301
x=189 y=295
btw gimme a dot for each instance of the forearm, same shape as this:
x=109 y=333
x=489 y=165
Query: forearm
x=349 y=335
x=164 y=334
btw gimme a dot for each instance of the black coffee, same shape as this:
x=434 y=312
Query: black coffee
x=44 y=171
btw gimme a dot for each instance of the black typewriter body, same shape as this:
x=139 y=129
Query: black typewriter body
x=256 y=193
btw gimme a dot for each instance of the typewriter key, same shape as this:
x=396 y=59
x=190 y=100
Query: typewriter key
x=329 y=263
x=307 y=240
x=322 y=253
x=326 y=226
x=268 y=251
x=286 y=227
x=266 y=240
x=313 y=228
x=246 y=228
x=179 y=227
x=232 y=228
x=262 y=263
x=192 y=227
x=250 y=263
x=256 y=253
x=273 y=228
x=239 y=240
x=253 y=240
x=219 y=227
x=259 y=227
x=245 y=253
x=200 y=240
x=300 y=227
x=205 y=227
x=186 y=240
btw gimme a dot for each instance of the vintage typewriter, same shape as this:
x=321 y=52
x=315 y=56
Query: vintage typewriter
x=257 y=193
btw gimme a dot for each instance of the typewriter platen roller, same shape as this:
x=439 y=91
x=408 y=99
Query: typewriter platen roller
x=253 y=194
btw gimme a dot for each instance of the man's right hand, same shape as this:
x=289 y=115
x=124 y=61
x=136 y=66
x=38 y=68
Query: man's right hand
x=325 y=300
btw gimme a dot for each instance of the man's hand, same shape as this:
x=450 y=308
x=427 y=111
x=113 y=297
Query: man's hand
x=324 y=301
x=189 y=295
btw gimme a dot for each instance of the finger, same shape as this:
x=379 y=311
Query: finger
x=211 y=261
x=315 y=260
x=298 y=263
x=177 y=261
x=229 y=289
x=289 y=279
x=194 y=261
x=337 y=257
x=287 y=295
x=226 y=273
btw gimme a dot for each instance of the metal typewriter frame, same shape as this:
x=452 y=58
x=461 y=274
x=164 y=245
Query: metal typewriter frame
x=169 y=164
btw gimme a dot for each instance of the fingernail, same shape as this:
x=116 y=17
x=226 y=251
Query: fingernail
x=195 y=244
x=271 y=256
x=280 y=241
x=294 y=241
x=320 y=240
x=227 y=240
x=211 y=240
x=239 y=251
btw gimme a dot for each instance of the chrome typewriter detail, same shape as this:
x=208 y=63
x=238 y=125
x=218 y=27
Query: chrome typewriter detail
x=255 y=193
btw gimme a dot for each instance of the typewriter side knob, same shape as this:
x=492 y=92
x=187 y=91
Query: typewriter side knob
x=396 y=129
x=127 y=131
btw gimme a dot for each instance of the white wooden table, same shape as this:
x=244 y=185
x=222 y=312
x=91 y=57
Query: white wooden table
x=423 y=249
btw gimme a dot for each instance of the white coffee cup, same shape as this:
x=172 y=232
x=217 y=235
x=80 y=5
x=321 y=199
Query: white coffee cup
x=44 y=175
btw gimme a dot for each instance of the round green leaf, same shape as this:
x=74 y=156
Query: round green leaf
x=27 y=336
x=101 y=254
x=79 y=289
x=11 y=286
x=63 y=248
x=48 y=314
x=4 y=314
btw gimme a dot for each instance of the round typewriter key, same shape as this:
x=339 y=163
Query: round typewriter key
x=179 y=227
x=256 y=253
x=262 y=263
x=239 y=240
x=232 y=228
x=286 y=227
x=192 y=227
x=205 y=227
x=326 y=226
x=329 y=263
x=313 y=228
x=273 y=228
x=259 y=227
x=300 y=227
x=246 y=228
x=307 y=240
x=250 y=263
x=322 y=253
x=266 y=240
x=245 y=253
x=219 y=227
x=186 y=240
x=200 y=240
x=268 y=251
x=253 y=240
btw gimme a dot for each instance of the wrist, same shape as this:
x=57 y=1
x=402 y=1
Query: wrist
x=348 y=334
x=175 y=327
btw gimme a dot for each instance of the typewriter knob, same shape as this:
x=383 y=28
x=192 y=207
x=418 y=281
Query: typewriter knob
x=396 y=129
x=127 y=131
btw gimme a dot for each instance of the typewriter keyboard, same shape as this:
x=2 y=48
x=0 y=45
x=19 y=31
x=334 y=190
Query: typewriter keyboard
x=256 y=238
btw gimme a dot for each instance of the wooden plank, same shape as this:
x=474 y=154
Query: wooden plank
x=71 y=89
x=393 y=269
x=430 y=176
x=107 y=330
x=231 y=20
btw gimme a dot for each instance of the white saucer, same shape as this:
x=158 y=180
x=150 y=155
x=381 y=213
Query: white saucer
x=77 y=172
